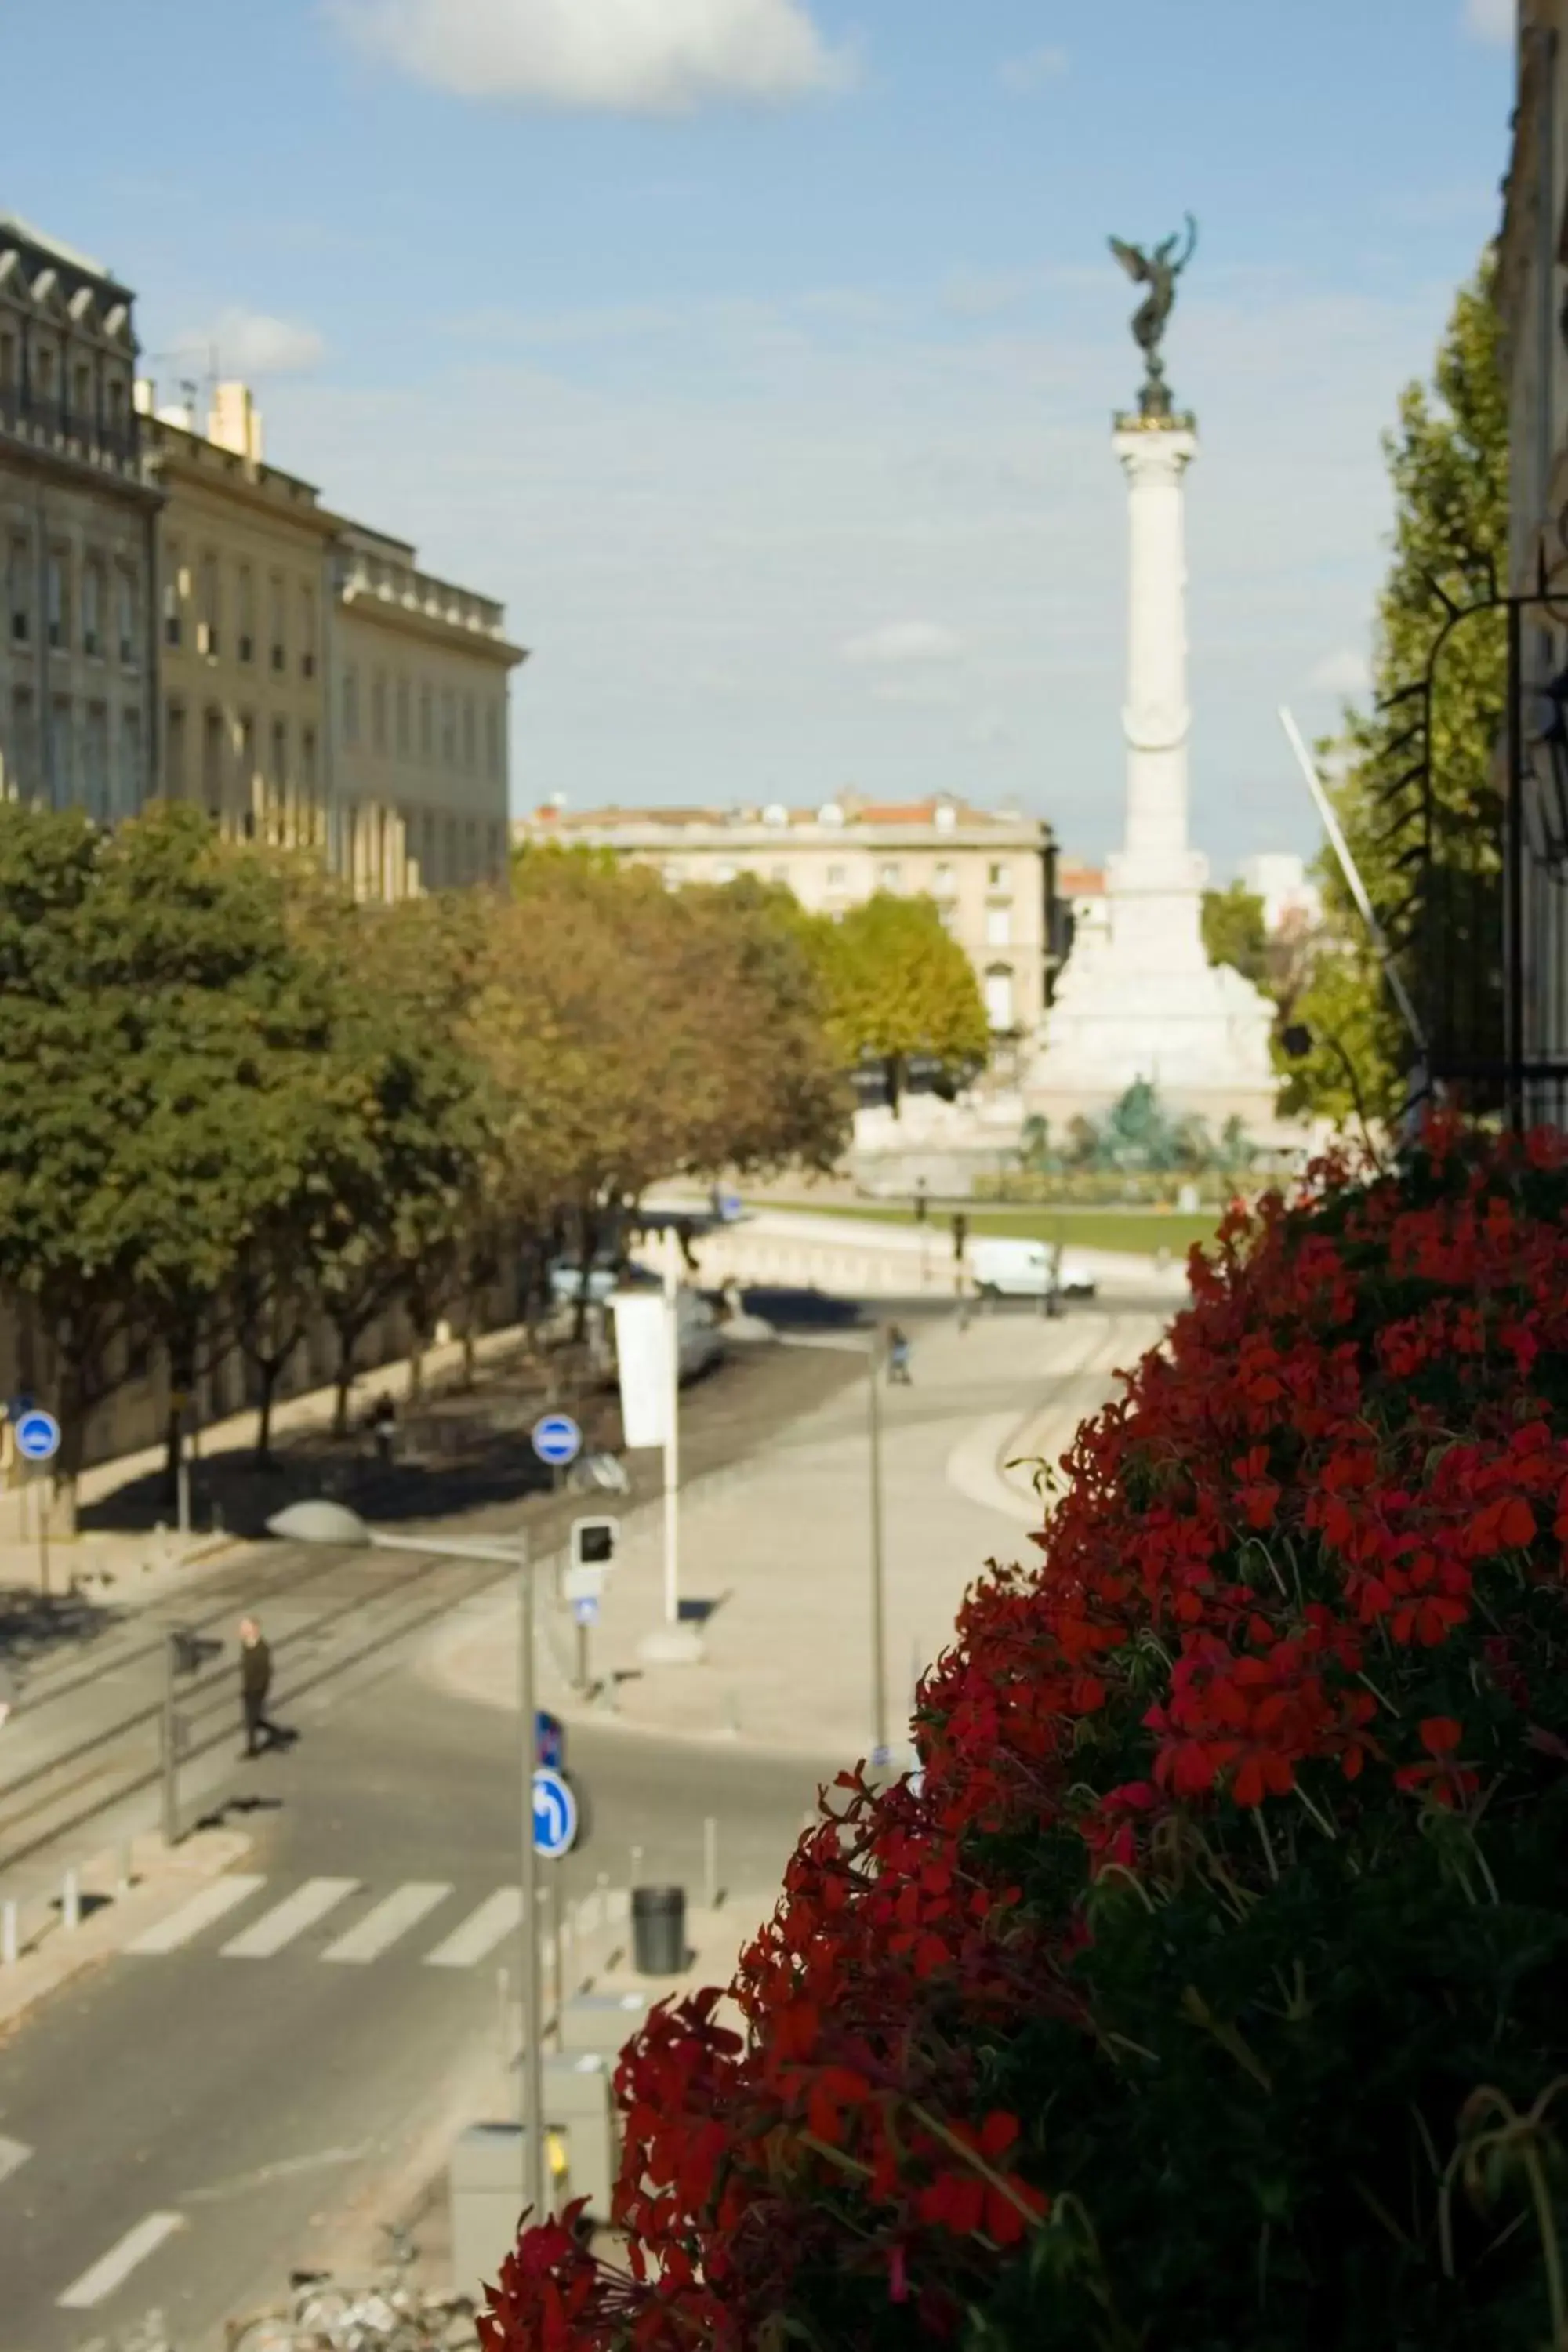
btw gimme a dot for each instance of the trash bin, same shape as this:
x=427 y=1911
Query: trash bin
x=658 y=1930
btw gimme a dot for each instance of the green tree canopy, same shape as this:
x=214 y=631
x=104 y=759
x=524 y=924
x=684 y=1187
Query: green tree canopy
x=1233 y=931
x=157 y=1041
x=1448 y=470
x=899 y=987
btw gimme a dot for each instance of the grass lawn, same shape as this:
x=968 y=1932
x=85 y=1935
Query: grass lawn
x=1139 y=1232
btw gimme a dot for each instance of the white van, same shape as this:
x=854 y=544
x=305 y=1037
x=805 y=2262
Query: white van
x=1002 y=1266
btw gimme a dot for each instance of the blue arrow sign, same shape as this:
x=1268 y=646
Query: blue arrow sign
x=38 y=1435
x=557 y=1440
x=554 y=1816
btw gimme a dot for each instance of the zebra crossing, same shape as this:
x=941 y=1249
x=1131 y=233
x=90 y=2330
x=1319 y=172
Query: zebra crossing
x=366 y=1924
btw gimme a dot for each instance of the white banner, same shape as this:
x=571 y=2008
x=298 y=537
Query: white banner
x=642 y=1349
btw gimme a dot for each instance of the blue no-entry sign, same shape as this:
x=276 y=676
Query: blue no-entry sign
x=554 y=1816
x=557 y=1440
x=38 y=1435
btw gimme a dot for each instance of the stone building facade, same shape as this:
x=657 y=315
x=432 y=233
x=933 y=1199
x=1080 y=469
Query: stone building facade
x=243 y=592
x=992 y=875
x=420 y=672
x=77 y=525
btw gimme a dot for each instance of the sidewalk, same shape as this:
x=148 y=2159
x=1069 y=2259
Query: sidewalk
x=780 y=1549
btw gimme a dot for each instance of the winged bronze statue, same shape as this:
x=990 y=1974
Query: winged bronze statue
x=1159 y=270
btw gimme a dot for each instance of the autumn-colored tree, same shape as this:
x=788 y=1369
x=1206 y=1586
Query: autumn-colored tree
x=900 y=988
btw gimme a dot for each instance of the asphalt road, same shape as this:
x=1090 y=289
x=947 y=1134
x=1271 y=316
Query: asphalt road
x=178 y=2129
x=236 y=2101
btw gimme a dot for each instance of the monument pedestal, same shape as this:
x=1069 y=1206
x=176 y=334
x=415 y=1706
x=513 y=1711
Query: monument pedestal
x=1138 y=998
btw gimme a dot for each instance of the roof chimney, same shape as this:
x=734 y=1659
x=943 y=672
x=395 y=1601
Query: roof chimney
x=235 y=421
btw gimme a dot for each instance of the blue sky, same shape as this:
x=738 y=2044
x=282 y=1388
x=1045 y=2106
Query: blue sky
x=761 y=353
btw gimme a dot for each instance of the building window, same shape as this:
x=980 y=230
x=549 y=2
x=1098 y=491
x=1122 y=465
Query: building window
x=996 y=877
x=999 y=926
x=57 y=608
x=999 y=996
x=128 y=790
x=278 y=778
x=279 y=619
x=208 y=616
x=426 y=723
x=125 y=613
x=378 y=712
x=115 y=394
x=7 y=364
x=62 y=753
x=95 y=762
x=470 y=734
x=351 y=706
x=82 y=394
x=44 y=371
x=212 y=792
x=492 y=740
x=836 y=877
x=404 y=717
x=172 y=628
x=246 y=626
x=247 y=778
x=175 y=751
x=21 y=760
x=944 y=879
x=307 y=632
x=308 y=761
x=449 y=727
x=19 y=588
x=779 y=874
x=93 y=600
x=889 y=877
x=428 y=874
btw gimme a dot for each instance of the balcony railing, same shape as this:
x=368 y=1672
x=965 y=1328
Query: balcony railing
x=92 y=440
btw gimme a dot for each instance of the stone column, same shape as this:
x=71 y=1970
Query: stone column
x=1156 y=718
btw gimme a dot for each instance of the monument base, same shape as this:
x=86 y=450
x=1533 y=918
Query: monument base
x=1139 y=999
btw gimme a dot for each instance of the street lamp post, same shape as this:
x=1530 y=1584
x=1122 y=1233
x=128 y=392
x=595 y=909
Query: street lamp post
x=333 y=1524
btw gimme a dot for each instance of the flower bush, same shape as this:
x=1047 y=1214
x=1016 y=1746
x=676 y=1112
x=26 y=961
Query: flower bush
x=1210 y=1993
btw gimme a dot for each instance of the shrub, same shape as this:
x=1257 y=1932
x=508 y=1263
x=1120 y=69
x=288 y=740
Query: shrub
x=1206 y=1995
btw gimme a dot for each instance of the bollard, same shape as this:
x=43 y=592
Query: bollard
x=122 y=1872
x=70 y=1900
x=711 y=1863
x=10 y=1935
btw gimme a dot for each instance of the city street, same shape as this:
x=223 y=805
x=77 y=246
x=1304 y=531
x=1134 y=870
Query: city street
x=261 y=2082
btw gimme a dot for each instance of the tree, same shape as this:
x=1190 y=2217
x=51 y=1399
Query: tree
x=400 y=1118
x=155 y=1040
x=1448 y=468
x=899 y=987
x=1233 y=931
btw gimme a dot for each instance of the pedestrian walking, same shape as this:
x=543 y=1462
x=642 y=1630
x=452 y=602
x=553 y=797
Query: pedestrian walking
x=254 y=1683
x=898 y=1360
x=384 y=1426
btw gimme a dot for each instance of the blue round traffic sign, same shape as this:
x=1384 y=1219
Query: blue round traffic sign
x=38 y=1435
x=554 y=1815
x=557 y=1440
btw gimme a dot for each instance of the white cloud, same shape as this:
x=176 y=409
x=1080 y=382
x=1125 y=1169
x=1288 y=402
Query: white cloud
x=1344 y=671
x=624 y=57
x=1034 y=70
x=1490 y=20
x=904 y=645
x=251 y=343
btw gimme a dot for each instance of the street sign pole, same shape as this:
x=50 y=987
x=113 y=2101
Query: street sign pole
x=41 y=1496
x=880 y=1752
x=534 y=2170
x=672 y=1431
x=170 y=1760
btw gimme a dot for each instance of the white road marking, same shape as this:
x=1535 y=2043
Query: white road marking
x=498 y=1916
x=286 y=2168
x=13 y=2156
x=392 y=1917
x=112 y=2269
x=214 y=1902
x=289 y=1919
